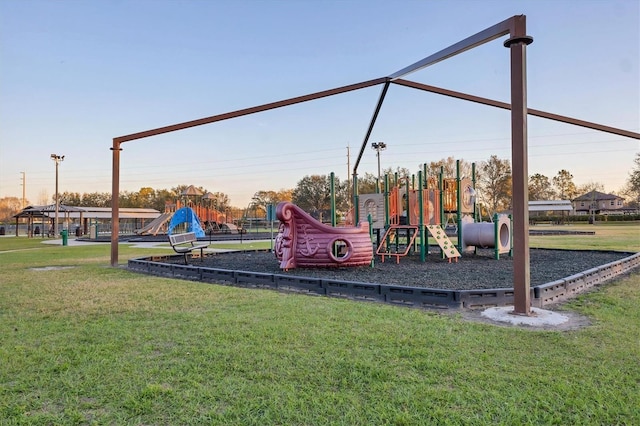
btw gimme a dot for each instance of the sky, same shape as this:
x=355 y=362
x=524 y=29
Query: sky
x=75 y=74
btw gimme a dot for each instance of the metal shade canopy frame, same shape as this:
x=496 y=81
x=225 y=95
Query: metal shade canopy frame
x=515 y=28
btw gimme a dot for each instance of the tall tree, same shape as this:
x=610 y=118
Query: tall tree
x=540 y=188
x=127 y=199
x=449 y=166
x=146 y=197
x=589 y=187
x=69 y=198
x=367 y=183
x=285 y=195
x=564 y=185
x=163 y=196
x=402 y=172
x=96 y=199
x=262 y=199
x=632 y=188
x=495 y=184
x=313 y=194
x=9 y=206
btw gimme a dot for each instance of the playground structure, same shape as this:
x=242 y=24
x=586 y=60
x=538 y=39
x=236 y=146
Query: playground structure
x=211 y=219
x=496 y=235
x=406 y=213
x=302 y=241
x=156 y=226
x=402 y=218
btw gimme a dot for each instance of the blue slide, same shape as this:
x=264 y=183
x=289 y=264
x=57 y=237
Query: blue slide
x=188 y=216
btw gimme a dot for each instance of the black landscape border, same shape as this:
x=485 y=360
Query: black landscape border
x=416 y=297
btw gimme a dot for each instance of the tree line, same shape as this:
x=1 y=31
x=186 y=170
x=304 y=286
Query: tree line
x=312 y=193
x=493 y=185
x=144 y=198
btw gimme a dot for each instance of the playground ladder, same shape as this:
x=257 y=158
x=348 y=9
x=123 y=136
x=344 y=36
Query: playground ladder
x=448 y=249
x=390 y=235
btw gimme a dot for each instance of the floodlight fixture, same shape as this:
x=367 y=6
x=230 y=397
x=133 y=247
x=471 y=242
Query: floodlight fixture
x=378 y=146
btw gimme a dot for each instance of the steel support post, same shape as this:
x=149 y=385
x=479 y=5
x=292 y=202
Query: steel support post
x=423 y=244
x=115 y=202
x=459 y=206
x=519 y=162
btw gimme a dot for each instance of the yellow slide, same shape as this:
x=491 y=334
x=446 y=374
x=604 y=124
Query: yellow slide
x=450 y=251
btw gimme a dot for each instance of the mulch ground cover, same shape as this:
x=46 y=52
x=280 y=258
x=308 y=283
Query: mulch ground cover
x=472 y=271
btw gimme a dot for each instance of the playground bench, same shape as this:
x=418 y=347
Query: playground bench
x=185 y=244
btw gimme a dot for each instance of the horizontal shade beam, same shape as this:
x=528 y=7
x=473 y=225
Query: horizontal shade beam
x=247 y=111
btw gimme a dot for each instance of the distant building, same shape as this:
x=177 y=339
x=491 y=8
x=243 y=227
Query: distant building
x=598 y=203
x=39 y=219
x=542 y=208
x=545 y=207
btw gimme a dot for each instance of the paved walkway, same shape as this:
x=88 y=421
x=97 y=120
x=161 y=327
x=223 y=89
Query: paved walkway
x=150 y=244
x=71 y=242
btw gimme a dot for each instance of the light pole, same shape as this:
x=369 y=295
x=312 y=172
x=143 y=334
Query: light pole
x=24 y=186
x=58 y=159
x=379 y=146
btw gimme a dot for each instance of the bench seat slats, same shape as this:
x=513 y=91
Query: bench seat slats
x=179 y=244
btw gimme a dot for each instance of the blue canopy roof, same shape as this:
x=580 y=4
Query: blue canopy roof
x=188 y=216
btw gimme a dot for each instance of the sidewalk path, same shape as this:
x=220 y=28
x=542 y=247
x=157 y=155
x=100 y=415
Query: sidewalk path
x=150 y=244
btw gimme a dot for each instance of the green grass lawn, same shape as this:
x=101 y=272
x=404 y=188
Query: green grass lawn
x=623 y=236
x=86 y=343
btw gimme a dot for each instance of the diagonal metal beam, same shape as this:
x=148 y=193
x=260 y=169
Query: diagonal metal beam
x=247 y=111
x=582 y=123
x=372 y=123
x=452 y=93
x=505 y=105
x=484 y=36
